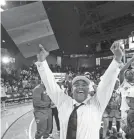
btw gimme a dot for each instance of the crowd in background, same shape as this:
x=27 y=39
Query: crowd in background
x=28 y=76
x=18 y=85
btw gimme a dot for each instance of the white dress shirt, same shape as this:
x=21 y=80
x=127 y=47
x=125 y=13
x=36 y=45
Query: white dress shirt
x=90 y=114
x=91 y=86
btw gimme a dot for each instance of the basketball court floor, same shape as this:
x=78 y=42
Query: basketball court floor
x=18 y=123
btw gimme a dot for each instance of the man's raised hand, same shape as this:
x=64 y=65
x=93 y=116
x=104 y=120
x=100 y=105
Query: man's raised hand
x=42 y=54
x=117 y=50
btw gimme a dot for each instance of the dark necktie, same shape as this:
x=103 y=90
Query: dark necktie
x=72 y=123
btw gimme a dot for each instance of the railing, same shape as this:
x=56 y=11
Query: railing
x=18 y=97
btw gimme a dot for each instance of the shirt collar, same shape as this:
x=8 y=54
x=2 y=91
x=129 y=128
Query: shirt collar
x=77 y=103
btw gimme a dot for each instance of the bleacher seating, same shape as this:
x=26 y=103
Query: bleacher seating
x=17 y=97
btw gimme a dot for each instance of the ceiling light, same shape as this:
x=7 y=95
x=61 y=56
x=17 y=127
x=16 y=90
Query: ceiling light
x=3 y=40
x=86 y=45
x=5 y=60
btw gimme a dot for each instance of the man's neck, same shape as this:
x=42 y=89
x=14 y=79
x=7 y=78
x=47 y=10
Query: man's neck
x=85 y=101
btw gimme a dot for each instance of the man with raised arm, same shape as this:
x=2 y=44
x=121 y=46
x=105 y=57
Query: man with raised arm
x=127 y=85
x=125 y=73
x=80 y=117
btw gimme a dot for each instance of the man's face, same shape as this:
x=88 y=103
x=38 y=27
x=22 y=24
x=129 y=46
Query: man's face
x=129 y=75
x=130 y=102
x=80 y=90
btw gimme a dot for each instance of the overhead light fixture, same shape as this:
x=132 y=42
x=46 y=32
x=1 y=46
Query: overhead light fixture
x=86 y=45
x=5 y=60
x=3 y=40
x=2 y=2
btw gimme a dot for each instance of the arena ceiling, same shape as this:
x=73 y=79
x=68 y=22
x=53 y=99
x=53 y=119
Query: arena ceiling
x=80 y=24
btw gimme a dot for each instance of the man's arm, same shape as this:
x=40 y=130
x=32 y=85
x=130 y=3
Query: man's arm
x=56 y=94
x=124 y=69
x=107 y=83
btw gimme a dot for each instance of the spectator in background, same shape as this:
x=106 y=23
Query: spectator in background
x=68 y=84
x=55 y=115
x=3 y=94
x=91 y=85
x=15 y=88
x=42 y=112
x=129 y=128
x=112 y=111
x=9 y=89
x=20 y=84
x=24 y=82
x=127 y=82
x=115 y=112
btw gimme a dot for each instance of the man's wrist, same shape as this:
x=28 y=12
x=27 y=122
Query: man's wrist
x=117 y=59
x=119 y=62
x=39 y=64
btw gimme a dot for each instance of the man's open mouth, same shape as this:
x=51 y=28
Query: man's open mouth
x=80 y=92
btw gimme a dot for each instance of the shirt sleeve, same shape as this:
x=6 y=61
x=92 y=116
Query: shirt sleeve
x=56 y=94
x=106 y=85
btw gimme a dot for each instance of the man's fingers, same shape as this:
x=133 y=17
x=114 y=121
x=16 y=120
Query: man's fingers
x=41 y=47
x=115 y=46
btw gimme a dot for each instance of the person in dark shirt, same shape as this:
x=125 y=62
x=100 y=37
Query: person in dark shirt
x=129 y=128
x=42 y=112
